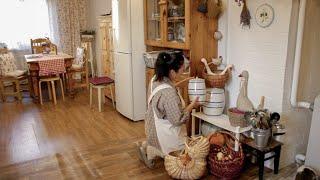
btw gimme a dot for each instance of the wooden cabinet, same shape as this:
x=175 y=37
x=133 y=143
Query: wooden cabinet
x=105 y=24
x=183 y=87
x=167 y=23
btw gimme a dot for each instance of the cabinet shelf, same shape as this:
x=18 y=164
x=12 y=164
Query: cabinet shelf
x=173 y=19
x=160 y=16
x=154 y=19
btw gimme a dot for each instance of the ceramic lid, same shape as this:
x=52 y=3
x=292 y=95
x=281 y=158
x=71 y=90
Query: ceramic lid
x=215 y=91
x=196 y=80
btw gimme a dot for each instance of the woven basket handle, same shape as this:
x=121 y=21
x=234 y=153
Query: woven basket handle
x=231 y=135
x=224 y=132
x=189 y=140
x=211 y=63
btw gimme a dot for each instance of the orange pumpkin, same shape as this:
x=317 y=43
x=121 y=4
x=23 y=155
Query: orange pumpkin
x=217 y=139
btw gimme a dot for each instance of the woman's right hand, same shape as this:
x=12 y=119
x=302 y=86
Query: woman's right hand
x=194 y=104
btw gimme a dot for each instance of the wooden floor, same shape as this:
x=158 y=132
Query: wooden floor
x=72 y=141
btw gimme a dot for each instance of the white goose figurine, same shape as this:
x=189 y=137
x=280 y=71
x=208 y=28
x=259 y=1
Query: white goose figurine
x=243 y=102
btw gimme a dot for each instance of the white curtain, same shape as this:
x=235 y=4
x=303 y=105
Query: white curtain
x=67 y=20
x=22 y=20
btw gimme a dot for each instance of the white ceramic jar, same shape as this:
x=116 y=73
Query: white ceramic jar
x=197 y=88
x=215 y=102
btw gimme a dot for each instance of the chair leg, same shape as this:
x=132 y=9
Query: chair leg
x=54 y=93
x=18 y=90
x=61 y=87
x=99 y=99
x=103 y=96
x=40 y=93
x=64 y=80
x=87 y=79
x=90 y=86
x=49 y=90
x=112 y=97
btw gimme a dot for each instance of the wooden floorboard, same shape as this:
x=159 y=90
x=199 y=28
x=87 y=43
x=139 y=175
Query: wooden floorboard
x=72 y=141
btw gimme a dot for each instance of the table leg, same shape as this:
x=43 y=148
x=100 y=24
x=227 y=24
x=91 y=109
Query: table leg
x=30 y=84
x=277 y=159
x=35 y=86
x=193 y=123
x=261 y=164
x=71 y=83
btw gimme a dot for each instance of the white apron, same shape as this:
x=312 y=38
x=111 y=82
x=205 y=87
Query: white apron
x=169 y=135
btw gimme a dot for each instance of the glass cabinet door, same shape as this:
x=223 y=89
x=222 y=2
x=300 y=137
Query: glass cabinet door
x=153 y=19
x=175 y=22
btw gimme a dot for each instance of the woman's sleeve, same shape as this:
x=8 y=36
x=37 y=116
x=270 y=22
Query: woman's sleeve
x=173 y=109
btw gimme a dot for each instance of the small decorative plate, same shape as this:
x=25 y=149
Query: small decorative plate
x=264 y=15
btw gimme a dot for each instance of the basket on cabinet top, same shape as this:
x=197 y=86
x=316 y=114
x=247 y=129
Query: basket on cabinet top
x=150 y=58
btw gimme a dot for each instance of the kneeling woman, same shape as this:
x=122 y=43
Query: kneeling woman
x=166 y=112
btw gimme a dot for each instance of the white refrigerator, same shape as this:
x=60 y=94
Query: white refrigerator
x=128 y=42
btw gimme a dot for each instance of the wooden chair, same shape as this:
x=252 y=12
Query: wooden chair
x=9 y=73
x=101 y=83
x=80 y=66
x=39 y=45
x=49 y=72
x=51 y=88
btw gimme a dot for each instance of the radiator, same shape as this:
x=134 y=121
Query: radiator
x=313 y=151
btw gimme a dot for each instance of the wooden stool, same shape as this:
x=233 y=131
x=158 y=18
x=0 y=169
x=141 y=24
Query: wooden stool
x=51 y=89
x=101 y=83
x=274 y=146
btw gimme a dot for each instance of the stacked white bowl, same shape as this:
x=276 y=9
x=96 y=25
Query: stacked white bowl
x=197 y=88
x=215 y=102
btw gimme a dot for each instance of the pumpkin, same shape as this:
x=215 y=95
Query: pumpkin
x=217 y=139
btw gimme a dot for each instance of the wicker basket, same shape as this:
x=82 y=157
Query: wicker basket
x=150 y=58
x=215 y=81
x=230 y=168
x=180 y=165
x=236 y=118
x=198 y=147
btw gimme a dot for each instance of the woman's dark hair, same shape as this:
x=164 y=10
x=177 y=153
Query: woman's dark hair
x=166 y=62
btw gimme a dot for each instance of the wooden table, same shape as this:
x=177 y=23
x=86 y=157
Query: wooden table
x=273 y=146
x=33 y=62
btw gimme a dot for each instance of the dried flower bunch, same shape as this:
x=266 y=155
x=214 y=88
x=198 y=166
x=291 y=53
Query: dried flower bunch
x=239 y=2
x=245 y=16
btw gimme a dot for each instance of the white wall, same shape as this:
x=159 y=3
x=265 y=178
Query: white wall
x=261 y=51
x=97 y=8
x=264 y=53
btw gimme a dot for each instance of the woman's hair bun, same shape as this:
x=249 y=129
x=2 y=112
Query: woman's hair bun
x=166 y=62
x=164 y=58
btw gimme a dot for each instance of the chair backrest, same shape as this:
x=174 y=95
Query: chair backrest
x=3 y=50
x=7 y=62
x=39 y=46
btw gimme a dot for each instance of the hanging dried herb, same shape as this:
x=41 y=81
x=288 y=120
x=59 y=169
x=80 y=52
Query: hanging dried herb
x=239 y=2
x=245 y=16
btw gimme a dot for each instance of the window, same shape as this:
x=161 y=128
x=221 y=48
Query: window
x=22 y=20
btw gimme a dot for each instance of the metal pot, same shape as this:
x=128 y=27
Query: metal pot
x=261 y=137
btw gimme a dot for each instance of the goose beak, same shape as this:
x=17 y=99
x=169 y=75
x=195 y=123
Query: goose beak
x=240 y=75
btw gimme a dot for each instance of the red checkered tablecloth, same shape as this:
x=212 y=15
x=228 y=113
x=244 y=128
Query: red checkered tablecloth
x=51 y=67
